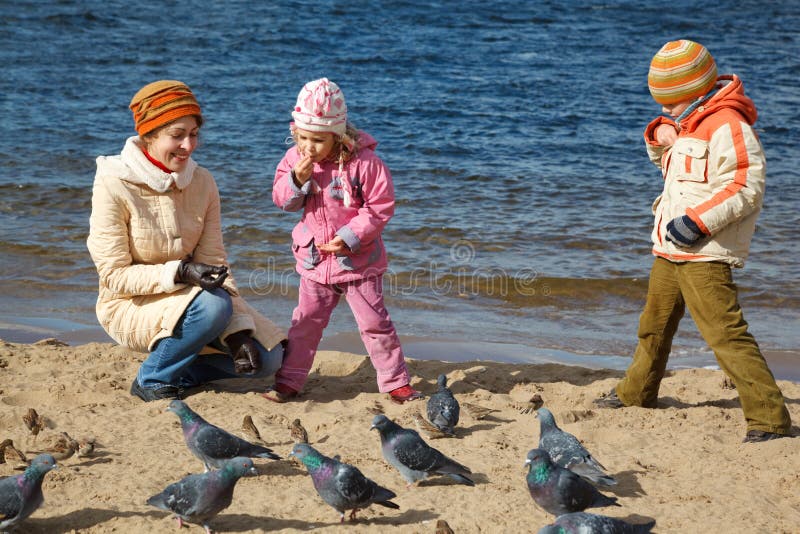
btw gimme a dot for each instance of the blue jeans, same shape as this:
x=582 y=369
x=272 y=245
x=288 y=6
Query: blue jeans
x=176 y=361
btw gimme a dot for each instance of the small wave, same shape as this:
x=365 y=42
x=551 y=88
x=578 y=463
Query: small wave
x=521 y=289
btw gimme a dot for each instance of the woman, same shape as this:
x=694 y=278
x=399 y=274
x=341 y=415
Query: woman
x=156 y=239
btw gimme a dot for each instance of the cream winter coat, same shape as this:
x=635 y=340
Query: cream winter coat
x=144 y=222
x=715 y=174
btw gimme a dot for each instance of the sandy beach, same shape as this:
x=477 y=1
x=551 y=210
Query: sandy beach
x=683 y=464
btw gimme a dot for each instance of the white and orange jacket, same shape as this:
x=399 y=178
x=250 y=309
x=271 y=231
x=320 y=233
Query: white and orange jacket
x=715 y=174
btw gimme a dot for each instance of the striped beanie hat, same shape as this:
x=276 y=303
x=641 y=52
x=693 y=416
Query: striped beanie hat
x=321 y=107
x=680 y=71
x=161 y=102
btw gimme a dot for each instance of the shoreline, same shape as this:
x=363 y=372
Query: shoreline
x=784 y=364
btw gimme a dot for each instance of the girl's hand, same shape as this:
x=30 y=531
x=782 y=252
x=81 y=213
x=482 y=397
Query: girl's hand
x=335 y=246
x=665 y=135
x=302 y=170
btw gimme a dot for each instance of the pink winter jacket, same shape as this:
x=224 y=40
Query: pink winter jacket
x=715 y=174
x=371 y=193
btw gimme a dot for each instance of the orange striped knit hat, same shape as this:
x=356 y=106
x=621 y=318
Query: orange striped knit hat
x=161 y=102
x=680 y=71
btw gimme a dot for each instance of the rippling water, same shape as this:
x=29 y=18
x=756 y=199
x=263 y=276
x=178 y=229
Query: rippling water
x=513 y=131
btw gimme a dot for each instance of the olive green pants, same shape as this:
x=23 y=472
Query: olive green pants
x=707 y=289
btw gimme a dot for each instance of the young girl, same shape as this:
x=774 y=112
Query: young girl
x=346 y=194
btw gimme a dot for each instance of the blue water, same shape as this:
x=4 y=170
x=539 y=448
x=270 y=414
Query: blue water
x=513 y=131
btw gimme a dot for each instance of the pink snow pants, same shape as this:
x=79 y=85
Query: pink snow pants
x=311 y=316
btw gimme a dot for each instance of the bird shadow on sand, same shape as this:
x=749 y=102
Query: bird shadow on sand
x=636 y=519
x=280 y=468
x=444 y=480
x=97 y=457
x=462 y=432
x=487 y=422
x=94 y=461
x=627 y=484
x=79 y=520
x=245 y=522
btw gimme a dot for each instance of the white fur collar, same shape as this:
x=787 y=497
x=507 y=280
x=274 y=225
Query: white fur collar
x=144 y=172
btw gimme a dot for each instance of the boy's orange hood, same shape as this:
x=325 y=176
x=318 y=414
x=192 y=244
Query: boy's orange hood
x=730 y=96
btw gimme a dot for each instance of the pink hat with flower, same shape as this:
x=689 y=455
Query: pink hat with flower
x=320 y=107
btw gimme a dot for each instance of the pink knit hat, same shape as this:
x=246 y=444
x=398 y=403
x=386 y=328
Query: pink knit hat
x=320 y=107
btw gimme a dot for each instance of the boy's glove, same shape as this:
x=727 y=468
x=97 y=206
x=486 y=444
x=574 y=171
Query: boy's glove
x=245 y=353
x=200 y=274
x=683 y=232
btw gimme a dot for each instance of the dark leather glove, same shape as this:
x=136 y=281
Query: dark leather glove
x=683 y=232
x=246 y=356
x=199 y=274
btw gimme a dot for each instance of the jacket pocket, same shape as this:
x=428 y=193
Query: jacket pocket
x=690 y=160
x=303 y=247
x=366 y=256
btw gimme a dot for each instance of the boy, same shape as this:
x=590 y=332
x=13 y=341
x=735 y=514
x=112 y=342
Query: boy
x=713 y=168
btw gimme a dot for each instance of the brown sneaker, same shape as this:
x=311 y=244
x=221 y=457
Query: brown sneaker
x=609 y=400
x=756 y=436
x=279 y=393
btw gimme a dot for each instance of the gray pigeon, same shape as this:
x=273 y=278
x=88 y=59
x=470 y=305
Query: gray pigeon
x=212 y=444
x=583 y=523
x=567 y=451
x=405 y=450
x=341 y=485
x=442 y=407
x=199 y=498
x=558 y=490
x=21 y=495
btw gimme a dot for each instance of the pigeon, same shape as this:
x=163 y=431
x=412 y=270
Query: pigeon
x=442 y=407
x=406 y=451
x=567 y=451
x=424 y=427
x=297 y=432
x=477 y=412
x=583 y=522
x=341 y=485
x=200 y=497
x=211 y=444
x=558 y=490
x=21 y=495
